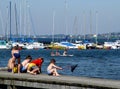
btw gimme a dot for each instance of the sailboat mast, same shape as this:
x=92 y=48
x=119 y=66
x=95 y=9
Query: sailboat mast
x=6 y=25
x=66 y=6
x=84 y=17
x=10 y=21
x=96 y=28
x=53 y=26
x=90 y=22
x=16 y=20
x=31 y=20
x=75 y=27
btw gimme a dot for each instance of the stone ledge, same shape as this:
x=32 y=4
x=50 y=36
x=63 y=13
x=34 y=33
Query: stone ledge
x=47 y=80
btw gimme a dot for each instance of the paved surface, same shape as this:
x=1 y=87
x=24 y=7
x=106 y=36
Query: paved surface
x=62 y=79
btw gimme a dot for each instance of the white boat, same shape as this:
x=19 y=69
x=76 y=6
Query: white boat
x=79 y=45
x=67 y=44
x=28 y=46
x=18 y=43
x=4 y=45
x=117 y=44
x=37 y=45
x=110 y=45
x=34 y=45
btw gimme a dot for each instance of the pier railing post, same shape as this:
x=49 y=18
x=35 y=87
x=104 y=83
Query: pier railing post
x=14 y=87
x=11 y=87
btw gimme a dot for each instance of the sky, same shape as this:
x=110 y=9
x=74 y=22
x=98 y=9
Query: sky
x=48 y=17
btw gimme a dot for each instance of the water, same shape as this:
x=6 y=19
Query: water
x=98 y=63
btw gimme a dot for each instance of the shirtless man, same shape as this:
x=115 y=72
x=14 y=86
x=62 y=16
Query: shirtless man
x=25 y=64
x=52 y=68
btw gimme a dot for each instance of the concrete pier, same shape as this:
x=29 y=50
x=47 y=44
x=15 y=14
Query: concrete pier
x=44 y=81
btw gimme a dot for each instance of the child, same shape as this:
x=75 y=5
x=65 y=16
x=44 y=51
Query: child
x=34 y=66
x=9 y=65
x=33 y=69
x=52 y=68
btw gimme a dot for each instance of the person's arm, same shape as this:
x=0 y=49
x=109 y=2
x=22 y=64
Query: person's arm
x=28 y=69
x=57 y=67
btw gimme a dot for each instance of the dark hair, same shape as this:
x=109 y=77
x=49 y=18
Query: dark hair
x=52 y=61
x=16 y=47
x=28 y=57
x=42 y=59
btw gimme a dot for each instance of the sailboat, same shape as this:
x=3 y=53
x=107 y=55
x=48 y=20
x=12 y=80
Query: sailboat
x=3 y=43
x=34 y=44
x=54 y=45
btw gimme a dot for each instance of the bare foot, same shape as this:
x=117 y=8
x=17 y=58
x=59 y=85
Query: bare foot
x=58 y=75
x=32 y=73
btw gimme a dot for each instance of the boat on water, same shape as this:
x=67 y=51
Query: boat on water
x=55 y=45
x=65 y=54
x=26 y=43
x=18 y=44
x=69 y=55
x=4 y=45
x=68 y=45
x=112 y=45
x=63 y=45
x=117 y=44
x=34 y=45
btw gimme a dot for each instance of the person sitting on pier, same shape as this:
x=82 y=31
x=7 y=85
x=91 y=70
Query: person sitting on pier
x=9 y=65
x=25 y=64
x=34 y=66
x=52 y=68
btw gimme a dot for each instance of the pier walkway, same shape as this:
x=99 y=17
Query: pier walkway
x=44 y=81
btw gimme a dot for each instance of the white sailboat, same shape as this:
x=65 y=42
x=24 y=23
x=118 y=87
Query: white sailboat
x=3 y=43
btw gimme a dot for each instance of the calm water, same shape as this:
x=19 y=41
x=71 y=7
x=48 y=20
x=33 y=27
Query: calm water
x=91 y=63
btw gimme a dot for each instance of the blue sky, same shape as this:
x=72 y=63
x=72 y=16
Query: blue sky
x=72 y=17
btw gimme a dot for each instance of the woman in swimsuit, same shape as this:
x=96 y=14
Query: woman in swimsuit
x=15 y=55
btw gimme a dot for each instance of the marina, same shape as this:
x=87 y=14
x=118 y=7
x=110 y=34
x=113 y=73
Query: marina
x=81 y=37
x=30 y=43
